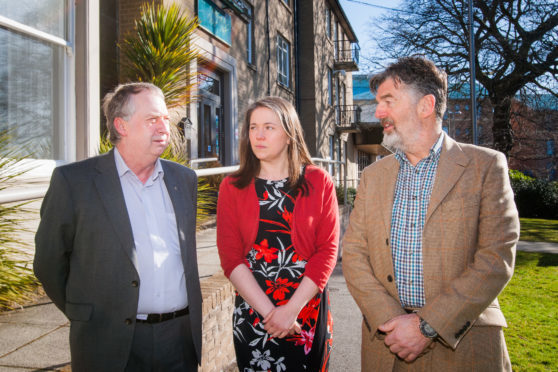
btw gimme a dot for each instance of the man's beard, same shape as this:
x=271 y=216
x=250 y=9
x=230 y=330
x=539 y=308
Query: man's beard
x=393 y=141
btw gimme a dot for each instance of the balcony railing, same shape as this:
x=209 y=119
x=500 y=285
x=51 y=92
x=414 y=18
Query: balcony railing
x=347 y=118
x=346 y=56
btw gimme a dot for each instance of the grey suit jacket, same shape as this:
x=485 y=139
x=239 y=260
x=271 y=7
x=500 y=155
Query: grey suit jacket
x=468 y=246
x=86 y=260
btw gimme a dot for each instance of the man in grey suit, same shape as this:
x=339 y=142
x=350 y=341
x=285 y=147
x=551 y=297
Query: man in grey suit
x=116 y=251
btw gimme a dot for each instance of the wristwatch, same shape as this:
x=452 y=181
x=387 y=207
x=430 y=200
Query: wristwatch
x=426 y=329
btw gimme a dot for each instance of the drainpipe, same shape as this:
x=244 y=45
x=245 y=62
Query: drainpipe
x=268 y=48
x=297 y=54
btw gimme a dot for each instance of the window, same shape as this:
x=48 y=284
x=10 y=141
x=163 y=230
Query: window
x=283 y=61
x=250 y=47
x=328 y=22
x=363 y=161
x=214 y=20
x=550 y=147
x=287 y=2
x=330 y=167
x=34 y=73
x=330 y=86
x=336 y=39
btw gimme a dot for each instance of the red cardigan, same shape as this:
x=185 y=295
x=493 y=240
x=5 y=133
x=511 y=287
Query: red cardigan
x=315 y=227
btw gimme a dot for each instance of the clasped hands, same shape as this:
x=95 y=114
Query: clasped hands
x=404 y=337
x=281 y=321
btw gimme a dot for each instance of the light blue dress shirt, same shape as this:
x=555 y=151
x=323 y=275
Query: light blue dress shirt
x=162 y=286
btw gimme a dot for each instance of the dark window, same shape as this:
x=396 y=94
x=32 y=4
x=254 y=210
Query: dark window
x=330 y=86
x=328 y=22
x=250 y=47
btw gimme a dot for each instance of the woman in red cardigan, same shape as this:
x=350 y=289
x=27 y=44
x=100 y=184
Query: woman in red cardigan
x=277 y=235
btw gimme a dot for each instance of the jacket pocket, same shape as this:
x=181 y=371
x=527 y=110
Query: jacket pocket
x=80 y=312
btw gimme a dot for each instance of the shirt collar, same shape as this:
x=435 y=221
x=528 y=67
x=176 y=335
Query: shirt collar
x=122 y=168
x=434 y=152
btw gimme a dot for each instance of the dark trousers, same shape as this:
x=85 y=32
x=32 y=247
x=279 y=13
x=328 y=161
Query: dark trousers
x=165 y=346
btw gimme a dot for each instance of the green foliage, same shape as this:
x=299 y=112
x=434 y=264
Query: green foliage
x=529 y=304
x=161 y=51
x=207 y=191
x=351 y=194
x=535 y=198
x=17 y=281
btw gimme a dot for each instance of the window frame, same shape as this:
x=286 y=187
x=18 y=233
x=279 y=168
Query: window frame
x=250 y=39
x=64 y=151
x=283 y=61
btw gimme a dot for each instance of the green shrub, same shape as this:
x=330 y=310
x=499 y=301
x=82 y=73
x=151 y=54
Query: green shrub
x=535 y=198
x=17 y=282
x=351 y=194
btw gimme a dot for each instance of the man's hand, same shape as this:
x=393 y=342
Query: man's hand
x=404 y=337
x=281 y=322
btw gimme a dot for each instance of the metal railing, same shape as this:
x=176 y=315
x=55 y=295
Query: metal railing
x=194 y=162
x=343 y=165
x=37 y=192
x=347 y=115
x=347 y=52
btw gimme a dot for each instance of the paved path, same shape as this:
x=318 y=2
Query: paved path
x=36 y=337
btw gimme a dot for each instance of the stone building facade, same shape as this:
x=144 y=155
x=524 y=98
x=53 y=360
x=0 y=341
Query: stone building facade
x=303 y=51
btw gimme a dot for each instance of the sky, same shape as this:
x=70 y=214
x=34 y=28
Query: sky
x=360 y=16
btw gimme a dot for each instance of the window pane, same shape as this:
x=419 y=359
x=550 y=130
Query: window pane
x=44 y=15
x=250 y=35
x=31 y=94
x=214 y=20
x=283 y=59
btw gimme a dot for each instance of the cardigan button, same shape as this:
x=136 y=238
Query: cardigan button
x=390 y=278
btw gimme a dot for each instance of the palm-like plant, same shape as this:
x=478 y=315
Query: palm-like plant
x=161 y=51
x=17 y=281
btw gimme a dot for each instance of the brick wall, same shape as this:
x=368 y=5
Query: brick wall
x=218 y=302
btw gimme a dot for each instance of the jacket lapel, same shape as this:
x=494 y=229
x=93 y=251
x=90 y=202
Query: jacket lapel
x=451 y=166
x=110 y=193
x=182 y=209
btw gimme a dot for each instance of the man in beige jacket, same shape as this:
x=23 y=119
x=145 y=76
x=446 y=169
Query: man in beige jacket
x=431 y=240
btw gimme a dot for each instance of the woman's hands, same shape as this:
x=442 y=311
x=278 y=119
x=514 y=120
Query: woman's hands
x=281 y=321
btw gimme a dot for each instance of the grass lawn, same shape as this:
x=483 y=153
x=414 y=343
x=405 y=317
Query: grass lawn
x=537 y=230
x=530 y=304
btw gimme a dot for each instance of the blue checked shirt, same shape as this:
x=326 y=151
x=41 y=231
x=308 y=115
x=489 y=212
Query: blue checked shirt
x=412 y=195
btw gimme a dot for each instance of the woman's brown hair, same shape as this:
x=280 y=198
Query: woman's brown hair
x=297 y=152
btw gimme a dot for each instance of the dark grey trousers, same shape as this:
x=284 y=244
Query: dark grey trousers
x=165 y=346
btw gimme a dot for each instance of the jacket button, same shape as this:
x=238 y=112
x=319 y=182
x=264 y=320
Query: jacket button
x=128 y=321
x=467 y=324
x=134 y=283
x=390 y=278
x=387 y=242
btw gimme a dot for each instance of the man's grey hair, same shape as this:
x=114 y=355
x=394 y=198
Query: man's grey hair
x=421 y=75
x=118 y=104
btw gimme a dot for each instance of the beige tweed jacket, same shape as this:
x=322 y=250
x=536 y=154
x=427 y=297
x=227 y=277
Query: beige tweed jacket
x=469 y=239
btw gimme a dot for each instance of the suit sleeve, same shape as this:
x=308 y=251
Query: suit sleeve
x=321 y=264
x=54 y=239
x=375 y=302
x=456 y=308
x=229 y=239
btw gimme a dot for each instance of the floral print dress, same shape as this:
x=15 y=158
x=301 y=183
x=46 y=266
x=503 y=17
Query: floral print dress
x=278 y=269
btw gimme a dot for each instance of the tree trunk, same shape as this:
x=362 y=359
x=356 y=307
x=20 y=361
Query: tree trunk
x=501 y=126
